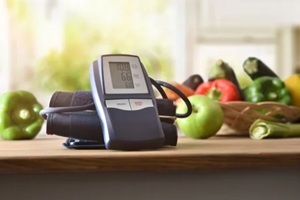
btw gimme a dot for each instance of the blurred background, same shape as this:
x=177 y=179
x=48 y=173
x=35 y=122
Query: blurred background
x=48 y=45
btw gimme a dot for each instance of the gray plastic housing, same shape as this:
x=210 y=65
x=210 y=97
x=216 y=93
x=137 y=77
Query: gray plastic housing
x=125 y=129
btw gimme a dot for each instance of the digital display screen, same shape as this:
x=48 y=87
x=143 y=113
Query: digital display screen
x=121 y=76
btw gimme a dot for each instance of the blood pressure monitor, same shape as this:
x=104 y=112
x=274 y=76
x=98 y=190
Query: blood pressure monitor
x=125 y=103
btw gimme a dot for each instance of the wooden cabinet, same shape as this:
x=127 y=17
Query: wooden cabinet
x=47 y=154
x=222 y=167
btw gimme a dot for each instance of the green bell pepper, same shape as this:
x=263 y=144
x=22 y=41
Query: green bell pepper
x=19 y=115
x=267 y=88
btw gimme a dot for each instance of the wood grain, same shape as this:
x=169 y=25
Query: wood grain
x=47 y=154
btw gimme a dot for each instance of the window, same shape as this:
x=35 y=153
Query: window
x=4 y=47
x=234 y=30
x=50 y=44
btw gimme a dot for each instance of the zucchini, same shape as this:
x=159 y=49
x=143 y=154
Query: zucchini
x=193 y=81
x=221 y=69
x=255 y=68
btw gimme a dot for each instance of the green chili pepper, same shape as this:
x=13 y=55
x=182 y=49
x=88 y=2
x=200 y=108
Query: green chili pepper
x=267 y=89
x=19 y=115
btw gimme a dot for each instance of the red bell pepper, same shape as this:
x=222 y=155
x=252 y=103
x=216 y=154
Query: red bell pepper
x=220 y=89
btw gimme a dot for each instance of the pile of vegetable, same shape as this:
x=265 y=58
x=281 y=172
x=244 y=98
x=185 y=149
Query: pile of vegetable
x=266 y=86
x=19 y=110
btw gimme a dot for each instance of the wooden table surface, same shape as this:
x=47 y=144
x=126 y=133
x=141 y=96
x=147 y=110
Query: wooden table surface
x=47 y=154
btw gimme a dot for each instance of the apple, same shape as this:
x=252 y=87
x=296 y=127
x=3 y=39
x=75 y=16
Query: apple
x=205 y=120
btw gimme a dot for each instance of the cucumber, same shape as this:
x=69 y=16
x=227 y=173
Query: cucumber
x=221 y=69
x=255 y=68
